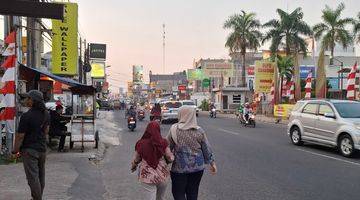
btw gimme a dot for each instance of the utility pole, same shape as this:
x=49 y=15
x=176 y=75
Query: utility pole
x=34 y=41
x=163 y=48
x=80 y=63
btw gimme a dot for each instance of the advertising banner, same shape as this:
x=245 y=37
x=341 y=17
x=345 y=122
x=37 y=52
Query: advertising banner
x=264 y=75
x=65 y=42
x=283 y=110
x=217 y=70
x=138 y=74
x=304 y=71
x=97 y=51
x=195 y=74
x=97 y=70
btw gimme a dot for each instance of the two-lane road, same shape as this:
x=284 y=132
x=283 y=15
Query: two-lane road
x=254 y=163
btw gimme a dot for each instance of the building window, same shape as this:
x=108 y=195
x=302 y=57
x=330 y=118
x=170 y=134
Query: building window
x=237 y=98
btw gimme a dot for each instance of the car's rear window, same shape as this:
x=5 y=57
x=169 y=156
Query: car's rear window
x=173 y=104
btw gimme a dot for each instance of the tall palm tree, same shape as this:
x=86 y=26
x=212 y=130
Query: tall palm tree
x=285 y=68
x=287 y=33
x=245 y=35
x=357 y=28
x=333 y=29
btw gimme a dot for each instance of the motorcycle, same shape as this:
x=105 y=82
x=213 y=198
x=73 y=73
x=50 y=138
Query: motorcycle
x=131 y=123
x=213 y=113
x=141 y=115
x=249 y=122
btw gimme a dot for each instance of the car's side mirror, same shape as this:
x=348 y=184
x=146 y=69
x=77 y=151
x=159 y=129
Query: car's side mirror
x=330 y=115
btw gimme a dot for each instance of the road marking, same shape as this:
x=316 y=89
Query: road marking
x=226 y=131
x=330 y=157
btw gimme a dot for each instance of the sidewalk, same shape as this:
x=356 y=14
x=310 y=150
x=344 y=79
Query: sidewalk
x=62 y=169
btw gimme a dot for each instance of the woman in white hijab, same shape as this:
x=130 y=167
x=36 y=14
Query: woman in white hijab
x=192 y=152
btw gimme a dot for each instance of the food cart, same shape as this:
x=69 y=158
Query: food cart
x=82 y=124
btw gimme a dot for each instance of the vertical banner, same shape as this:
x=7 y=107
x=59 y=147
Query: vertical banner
x=65 y=42
x=138 y=74
x=264 y=76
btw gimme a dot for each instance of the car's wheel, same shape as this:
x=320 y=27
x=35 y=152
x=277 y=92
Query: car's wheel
x=295 y=136
x=346 y=146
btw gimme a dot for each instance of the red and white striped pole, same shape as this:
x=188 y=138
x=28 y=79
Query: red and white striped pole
x=292 y=90
x=272 y=93
x=308 y=86
x=351 y=83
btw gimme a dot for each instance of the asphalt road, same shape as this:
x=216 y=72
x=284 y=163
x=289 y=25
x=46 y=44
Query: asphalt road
x=254 y=163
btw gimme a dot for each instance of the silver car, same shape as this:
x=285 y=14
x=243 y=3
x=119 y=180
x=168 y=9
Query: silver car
x=334 y=123
x=169 y=110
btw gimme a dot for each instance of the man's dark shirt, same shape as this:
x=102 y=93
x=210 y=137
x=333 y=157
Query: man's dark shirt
x=57 y=123
x=33 y=123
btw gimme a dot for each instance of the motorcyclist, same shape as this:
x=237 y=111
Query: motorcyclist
x=155 y=112
x=246 y=111
x=131 y=112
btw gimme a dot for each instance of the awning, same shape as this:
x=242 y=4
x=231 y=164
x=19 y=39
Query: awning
x=75 y=87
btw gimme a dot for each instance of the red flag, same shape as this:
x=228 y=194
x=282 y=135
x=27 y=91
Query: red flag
x=7 y=113
x=11 y=38
x=9 y=62
x=9 y=88
x=351 y=83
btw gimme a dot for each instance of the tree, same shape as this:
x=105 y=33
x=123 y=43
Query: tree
x=287 y=33
x=285 y=68
x=333 y=29
x=245 y=35
x=356 y=29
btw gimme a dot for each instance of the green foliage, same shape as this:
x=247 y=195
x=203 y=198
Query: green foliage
x=356 y=28
x=204 y=105
x=285 y=66
x=286 y=32
x=332 y=30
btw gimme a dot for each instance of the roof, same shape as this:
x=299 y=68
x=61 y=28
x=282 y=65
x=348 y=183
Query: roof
x=329 y=100
x=75 y=87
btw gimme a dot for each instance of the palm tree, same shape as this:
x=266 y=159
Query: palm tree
x=285 y=68
x=357 y=28
x=245 y=35
x=287 y=32
x=333 y=29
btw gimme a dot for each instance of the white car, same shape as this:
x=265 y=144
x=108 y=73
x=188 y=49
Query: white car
x=169 y=110
x=190 y=104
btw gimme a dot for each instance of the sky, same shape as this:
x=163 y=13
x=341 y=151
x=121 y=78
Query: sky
x=132 y=29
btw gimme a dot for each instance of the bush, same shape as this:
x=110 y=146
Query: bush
x=204 y=105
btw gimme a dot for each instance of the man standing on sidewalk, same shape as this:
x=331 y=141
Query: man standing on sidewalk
x=30 y=140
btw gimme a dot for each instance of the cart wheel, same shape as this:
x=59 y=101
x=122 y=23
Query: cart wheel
x=96 y=139
x=71 y=145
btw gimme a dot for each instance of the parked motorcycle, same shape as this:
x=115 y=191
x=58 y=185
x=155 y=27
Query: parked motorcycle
x=250 y=122
x=213 y=113
x=131 y=123
x=141 y=115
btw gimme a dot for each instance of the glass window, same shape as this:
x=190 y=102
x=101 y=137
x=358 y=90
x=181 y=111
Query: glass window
x=298 y=105
x=310 y=108
x=237 y=98
x=188 y=103
x=173 y=104
x=325 y=109
x=348 y=110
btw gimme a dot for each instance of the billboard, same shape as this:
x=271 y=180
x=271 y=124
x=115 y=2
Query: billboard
x=65 y=42
x=217 y=70
x=97 y=70
x=97 y=51
x=130 y=88
x=195 y=74
x=264 y=75
x=304 y=71
x=138 y=74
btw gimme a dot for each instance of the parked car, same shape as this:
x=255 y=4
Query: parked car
x=169 y=110
x=334 y=123
x=191 y=104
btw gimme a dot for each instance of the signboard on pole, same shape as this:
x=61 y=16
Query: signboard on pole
x=97 y=70
x=97 y=51
x=219 y=69
x=195 y=74
x=264 y=76
x=206 y=83
x=138 y=74
x=65 y=42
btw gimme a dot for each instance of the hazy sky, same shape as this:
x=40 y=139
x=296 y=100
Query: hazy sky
x=132 y=29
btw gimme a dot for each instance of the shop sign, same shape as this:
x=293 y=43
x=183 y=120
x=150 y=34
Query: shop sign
x=264 y=75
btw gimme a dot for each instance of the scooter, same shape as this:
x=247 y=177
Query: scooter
x=141 y=115
x=213 y=113
x=131 y=123
x=249 y=122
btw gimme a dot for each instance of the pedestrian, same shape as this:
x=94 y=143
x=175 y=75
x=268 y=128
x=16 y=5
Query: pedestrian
x=30 y=141
x=153 y=154
x=192 y=151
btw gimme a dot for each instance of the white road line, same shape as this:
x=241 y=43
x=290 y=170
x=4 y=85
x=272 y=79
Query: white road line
x=226 y=131
x=330 y=157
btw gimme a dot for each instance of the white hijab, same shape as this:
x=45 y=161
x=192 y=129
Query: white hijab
x=187 y=118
